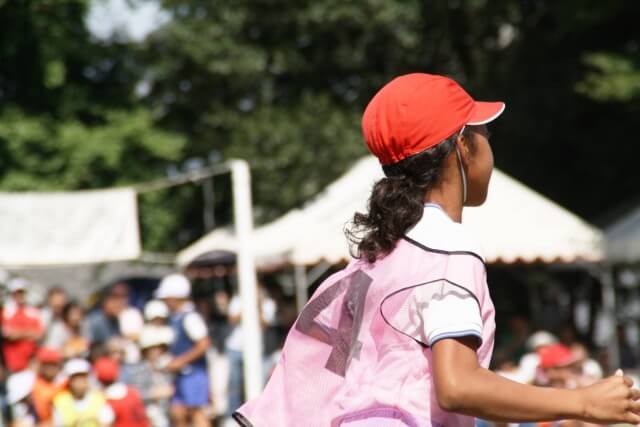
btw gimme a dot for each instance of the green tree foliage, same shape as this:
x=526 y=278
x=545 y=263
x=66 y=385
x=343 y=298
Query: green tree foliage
x=283 y=83
x=567 y=141
x=69 y=118
x=40 y=153
x=614 y=77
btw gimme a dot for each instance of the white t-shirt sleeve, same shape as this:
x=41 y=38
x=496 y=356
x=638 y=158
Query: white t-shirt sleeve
x=58 y=421
x=130 y=322
x=106 y=415
x=235 y=306
x=450 y=312
x=195 y=327
x=269 y=310
x=57 y=336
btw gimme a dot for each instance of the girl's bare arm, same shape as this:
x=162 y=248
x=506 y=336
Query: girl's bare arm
x=463 y=386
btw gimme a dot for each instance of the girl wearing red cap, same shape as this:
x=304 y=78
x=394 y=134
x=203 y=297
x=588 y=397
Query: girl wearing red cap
x=403 y=335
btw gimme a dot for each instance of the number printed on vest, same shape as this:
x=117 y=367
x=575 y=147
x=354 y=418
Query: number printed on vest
x=344 y=340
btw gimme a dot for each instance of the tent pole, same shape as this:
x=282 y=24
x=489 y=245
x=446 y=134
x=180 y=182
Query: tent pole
x=300 y=279
x=609 y=309
x=316 y=272
x=242 y=211
x=209 y=207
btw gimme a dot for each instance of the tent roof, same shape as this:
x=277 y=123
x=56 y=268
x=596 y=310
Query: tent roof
x=516 y=224
x=623 y=238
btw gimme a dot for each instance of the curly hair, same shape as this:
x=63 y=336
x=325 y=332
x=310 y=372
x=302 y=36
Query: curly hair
x=396 y=203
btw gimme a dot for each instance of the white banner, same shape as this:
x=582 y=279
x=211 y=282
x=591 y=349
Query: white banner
x=68 y=228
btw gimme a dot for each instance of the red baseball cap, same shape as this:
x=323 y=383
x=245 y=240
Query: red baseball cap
x=556 y=356
x=49 y=355
x=415 y=112
x=106 y=369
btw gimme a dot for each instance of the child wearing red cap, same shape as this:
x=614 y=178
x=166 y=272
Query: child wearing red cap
x=124 y=400
x=47 y=383
x=403 y=335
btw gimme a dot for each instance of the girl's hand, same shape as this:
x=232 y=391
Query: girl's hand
x=611 y=400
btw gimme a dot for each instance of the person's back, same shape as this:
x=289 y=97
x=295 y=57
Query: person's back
x=124 y=400
x=100 y=327
x=127 y=406
x=183 y=342
x=403 y=336
x=155 y=389
x=363 y=345
x=103 y=323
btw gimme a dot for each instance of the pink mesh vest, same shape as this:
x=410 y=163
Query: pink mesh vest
x=357 y=355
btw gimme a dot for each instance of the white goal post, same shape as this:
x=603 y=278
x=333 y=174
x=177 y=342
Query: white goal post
x=243 y=219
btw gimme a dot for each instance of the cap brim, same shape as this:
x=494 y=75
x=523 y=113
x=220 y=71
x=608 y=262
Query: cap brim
x=485 y=112
x=77 y=372
x=568 y=361
x=161 y=294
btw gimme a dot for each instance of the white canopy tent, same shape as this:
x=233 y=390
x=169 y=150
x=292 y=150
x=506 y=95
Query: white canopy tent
x=516 y=224
x=623 y=238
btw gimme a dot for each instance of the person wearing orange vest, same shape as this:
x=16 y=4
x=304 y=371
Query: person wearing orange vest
x=124 y=400
x=46 y=385
x=80 y=405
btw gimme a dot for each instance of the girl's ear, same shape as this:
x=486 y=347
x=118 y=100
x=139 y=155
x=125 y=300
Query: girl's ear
x=462 y=145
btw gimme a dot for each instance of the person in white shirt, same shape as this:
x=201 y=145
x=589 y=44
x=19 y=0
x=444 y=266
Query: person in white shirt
x=234 y=343
x=52 y=311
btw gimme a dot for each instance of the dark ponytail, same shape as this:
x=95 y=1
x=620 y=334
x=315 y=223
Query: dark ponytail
x=397 y=202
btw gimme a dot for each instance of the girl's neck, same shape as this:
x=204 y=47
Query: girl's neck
x=451 y=206
x=447 y=193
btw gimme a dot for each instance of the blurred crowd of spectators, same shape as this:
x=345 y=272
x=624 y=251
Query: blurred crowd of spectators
x=544 y=359
x=165 y=364
x=177 y=361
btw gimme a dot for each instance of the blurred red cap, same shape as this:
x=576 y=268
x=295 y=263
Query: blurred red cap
x=49 y=355
x=106 y=369
x=556 y=356
x=415 y=112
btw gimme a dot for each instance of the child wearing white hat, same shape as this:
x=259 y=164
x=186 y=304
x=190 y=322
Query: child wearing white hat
x=80 y=404
x=188 y=349
x=156 y=313
x=21 y=409
x=149 y=377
